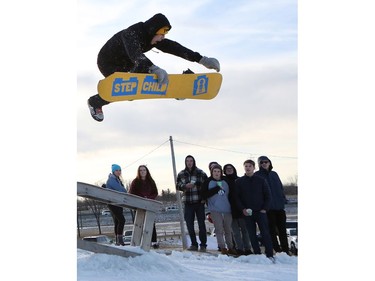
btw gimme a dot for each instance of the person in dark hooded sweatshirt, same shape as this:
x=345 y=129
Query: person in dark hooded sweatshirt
x=240 y=234
x=190 y=181
x=124 y=52
x=276 y=213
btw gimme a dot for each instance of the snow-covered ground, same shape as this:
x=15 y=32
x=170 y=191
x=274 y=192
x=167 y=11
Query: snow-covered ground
x=184 y=265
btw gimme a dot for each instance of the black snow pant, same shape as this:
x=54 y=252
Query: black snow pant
x=118 y=218
x=277 y=226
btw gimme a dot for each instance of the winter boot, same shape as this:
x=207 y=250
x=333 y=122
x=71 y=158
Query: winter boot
x=120 y=240
x=224 y=251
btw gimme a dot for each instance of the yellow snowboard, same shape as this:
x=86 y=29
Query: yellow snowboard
x=122 y=86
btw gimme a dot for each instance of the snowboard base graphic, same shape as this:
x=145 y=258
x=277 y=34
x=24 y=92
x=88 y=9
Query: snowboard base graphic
x=122 y=86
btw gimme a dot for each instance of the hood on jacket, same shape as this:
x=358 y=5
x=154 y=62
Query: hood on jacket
x=262 y=158
x=234 y=170
x=153 y=24
x=194 y=164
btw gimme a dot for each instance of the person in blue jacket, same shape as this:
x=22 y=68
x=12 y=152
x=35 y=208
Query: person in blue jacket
x=253 y=198
x=124 y=52
x=114 y=182
x=276 y=214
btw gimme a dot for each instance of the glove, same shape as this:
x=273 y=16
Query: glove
x=160 y=73
x=210 y=63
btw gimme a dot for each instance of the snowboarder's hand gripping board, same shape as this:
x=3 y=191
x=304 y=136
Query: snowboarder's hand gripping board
x=121 y=86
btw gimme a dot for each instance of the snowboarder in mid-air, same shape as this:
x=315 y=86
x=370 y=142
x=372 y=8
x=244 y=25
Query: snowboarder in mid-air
x=124 y=52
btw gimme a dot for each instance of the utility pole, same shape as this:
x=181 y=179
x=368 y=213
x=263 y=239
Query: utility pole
x=179 y=204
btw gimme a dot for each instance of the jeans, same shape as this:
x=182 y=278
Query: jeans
x=260 y=219
x=192 y=210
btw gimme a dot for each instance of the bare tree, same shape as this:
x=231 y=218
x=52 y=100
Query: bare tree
x=291 y=187
x=96 y=208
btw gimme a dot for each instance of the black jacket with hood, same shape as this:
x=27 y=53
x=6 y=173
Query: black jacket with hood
x=231 y=180
x=125 y=50
x=275 y=184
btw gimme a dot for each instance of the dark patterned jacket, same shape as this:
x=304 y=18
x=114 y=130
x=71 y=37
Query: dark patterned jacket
x=191 y=195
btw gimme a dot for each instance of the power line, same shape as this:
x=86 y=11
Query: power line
x=233 y=151
x=146 y=154
x=204 y=146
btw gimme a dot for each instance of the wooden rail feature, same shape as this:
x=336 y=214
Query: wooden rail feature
x=145 y=210
x=104 y=249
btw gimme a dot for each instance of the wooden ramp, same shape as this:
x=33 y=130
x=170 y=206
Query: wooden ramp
x=104 y=249
x=145 y=211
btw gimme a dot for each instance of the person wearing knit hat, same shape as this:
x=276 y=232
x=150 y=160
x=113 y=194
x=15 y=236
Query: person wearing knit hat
x=115 y=167
x=114 y=182
x=124 y=52
x=276 y=214
x=215 y=190
x=211 y=164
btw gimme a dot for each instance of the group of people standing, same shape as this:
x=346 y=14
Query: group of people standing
x=237 y=206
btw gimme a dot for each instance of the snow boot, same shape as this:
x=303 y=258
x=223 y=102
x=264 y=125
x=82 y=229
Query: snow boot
x=120 y=240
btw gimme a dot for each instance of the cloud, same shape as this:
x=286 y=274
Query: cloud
x=254 y=113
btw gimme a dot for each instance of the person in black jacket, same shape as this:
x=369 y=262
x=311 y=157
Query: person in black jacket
x=253 y=198
x=276 y=214
x=124 y=52
x=240 y=234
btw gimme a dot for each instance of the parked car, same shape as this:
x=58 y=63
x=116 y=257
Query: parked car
x=171 y=208
x=291 y=224
x=292 y=240
x=291 y=235
x=106 y=212
x=103 y=239
x=294 y=245
x=128 y=236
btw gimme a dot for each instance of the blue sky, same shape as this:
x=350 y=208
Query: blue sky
x=254 y=114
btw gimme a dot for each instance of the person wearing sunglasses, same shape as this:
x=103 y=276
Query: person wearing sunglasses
x=276 y=213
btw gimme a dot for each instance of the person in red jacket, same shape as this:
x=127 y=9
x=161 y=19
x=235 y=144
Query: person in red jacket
x=124 y=52
x=144 y=186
